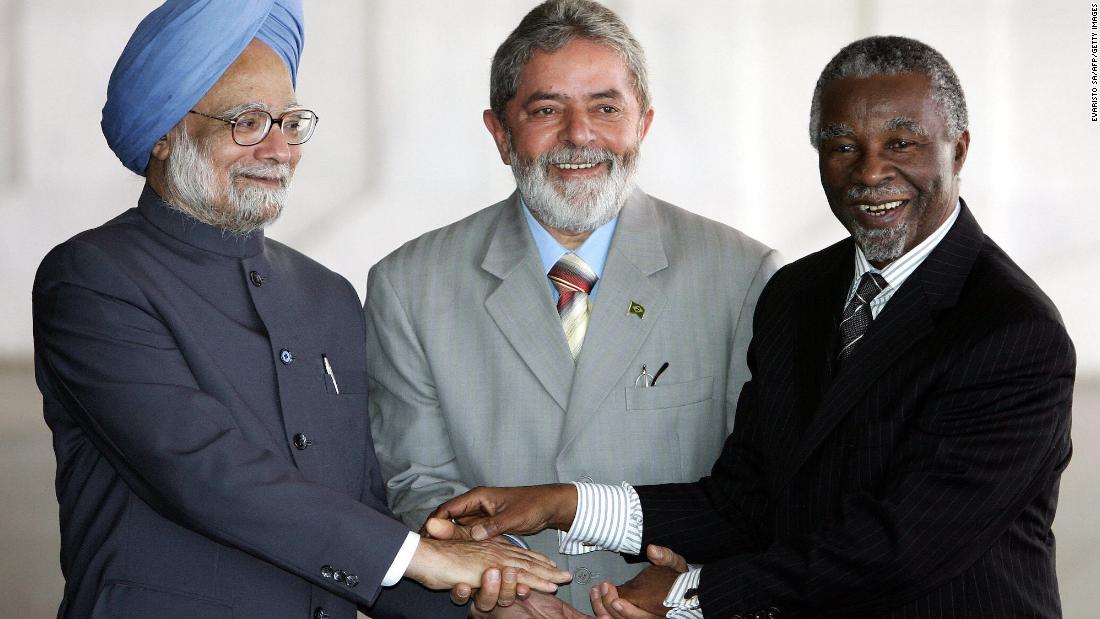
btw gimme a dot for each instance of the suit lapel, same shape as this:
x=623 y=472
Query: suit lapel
x=522 y=306
x=907 y=317
x=614 y=335
x=818 y=322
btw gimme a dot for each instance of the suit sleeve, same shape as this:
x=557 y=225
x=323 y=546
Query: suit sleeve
x=410 y=433
x=115 y=366
x=991 y=438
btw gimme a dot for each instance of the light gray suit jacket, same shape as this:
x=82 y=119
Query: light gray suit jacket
x=471 y=381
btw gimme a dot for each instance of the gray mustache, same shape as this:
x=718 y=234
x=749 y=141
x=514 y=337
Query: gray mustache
x=872 y=194
x=577 y=155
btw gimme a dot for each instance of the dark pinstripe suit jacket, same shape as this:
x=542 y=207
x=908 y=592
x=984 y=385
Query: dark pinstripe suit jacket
x=918 y=480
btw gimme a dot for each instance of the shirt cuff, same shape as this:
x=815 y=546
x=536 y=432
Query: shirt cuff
x=683 y=598
x=608 y=518
x=402 y=560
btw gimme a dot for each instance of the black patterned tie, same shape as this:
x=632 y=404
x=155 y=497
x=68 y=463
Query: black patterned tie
x=857 y=315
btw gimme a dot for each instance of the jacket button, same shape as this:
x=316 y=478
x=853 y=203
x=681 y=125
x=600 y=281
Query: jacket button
x=302 y=442
x=327 y=571
x=340 y=576
x=286 y=357
x=320 y=613
x=256 y=279
x=351 y=580
x=582 y=576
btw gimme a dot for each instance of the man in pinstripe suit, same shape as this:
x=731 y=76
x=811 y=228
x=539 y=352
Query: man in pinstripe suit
x=898 y=450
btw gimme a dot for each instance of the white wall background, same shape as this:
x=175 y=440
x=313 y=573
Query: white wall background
x=400 y=85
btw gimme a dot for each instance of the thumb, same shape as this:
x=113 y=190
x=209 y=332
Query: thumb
x=659 y=555
x=445 y=529
x=483 y=531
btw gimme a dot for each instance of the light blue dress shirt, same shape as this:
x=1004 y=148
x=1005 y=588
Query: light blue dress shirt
x=593 y=251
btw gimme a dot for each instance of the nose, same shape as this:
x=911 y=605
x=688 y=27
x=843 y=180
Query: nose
x=872 y=168
x=274 y=147
x=577 y=129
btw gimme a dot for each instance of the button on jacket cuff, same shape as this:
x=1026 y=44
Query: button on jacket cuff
x=402 y=560
x=608 y=518
x=685 y=606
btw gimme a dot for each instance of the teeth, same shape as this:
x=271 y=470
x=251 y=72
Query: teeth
x=576 y=166
x=879 y=209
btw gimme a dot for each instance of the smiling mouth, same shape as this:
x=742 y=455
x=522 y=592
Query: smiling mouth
x=878 y=210
x=267 y=180
x=576 y=166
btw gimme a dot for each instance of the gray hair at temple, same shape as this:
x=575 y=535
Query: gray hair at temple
x=892 y=56
x=549 y=27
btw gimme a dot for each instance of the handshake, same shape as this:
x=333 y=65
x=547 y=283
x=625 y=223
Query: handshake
x=462 y=549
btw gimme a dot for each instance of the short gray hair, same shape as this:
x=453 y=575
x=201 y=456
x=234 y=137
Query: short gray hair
x=893 y=56
x=548 y=28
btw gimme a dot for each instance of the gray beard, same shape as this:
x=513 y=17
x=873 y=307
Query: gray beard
x=191 y=188
x=580 y=205
x=882 y=244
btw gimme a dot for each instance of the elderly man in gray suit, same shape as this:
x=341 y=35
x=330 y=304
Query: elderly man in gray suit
x=578 y=330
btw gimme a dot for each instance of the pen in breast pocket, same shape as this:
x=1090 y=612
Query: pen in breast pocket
x=328 y=370
x=660 y=370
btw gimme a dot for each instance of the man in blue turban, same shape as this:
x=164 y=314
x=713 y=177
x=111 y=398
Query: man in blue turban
x=205 y=385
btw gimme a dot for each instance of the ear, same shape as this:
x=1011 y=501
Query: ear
x=161 y=149
x=500 y=135
x=647 y=120
x=962 y=145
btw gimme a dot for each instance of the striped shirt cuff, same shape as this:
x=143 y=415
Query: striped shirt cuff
x=608 y=518
x=685 y=606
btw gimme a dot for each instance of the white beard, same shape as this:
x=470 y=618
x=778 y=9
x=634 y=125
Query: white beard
x=579 y=205
x=192 y=187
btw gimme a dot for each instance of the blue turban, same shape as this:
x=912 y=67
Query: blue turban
x=176 y=54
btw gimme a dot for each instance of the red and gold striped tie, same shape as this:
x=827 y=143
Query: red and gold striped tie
x=573 y=280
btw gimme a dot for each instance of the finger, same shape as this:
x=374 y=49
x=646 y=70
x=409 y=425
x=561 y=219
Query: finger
x=542 y=571
x=508 y=584
x=533 y=556
x=597 y=601
x=519 y=557
x=486 y=597
x=462 y=505
x=622 y=609
x=539 y=583
x=445 y=529
x=486 y=529
x=460 y=594
x=659 y=555
x=609 y=596
x=522 y=590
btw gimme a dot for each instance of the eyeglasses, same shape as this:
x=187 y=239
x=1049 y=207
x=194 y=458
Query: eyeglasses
x=251 y=127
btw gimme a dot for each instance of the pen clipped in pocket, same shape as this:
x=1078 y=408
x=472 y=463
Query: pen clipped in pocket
x=339 y=380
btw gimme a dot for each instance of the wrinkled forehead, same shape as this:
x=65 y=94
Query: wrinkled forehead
x=880 y=103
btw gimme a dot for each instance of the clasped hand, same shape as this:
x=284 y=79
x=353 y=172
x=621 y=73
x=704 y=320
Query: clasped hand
x=484 y=513
x=457 y=563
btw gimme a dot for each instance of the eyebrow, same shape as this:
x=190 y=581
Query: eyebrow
x=254 y=105
x=835 y=131
x=543 y=95
x=905 y=123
